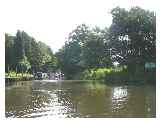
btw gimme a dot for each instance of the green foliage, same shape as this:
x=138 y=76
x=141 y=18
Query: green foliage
x=70 y=56
x=23 y=53
x=51 y=65
x=9 y=52
x=89 y=53
x=130 y=40
x=118 y=75
x=102 y=73
x=19 y=47
x=84 y=49
x=93 y=51
x=13 y=74
x=133 y=36
x=24 y=64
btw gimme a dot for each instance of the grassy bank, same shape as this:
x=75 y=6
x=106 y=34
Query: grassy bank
x=117 y=75
x=18 y=76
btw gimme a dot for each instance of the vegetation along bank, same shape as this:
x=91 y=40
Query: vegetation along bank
x=124 y=51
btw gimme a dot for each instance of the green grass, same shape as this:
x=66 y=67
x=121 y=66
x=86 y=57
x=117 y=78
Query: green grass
x=18 y=75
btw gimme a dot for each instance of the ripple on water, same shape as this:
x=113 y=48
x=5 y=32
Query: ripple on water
x=119 y=98
x=50 y=107
x=67 y=100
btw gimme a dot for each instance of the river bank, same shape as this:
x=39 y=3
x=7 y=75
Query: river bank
x=118 y=75
x=13 y=76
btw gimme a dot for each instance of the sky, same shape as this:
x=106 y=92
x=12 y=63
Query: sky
x=50 y=21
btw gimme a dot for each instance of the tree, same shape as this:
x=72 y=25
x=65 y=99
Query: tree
x=19 y=47
x=35 y=57
x=94 y=50
x=9 y=53
x=70 y=56
x=132 y=36
x=24 y=64
x=45 y=51
x=85 y=49
x=51 y=66
x=23 y=53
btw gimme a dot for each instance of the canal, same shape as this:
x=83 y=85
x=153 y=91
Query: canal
x=78 y=99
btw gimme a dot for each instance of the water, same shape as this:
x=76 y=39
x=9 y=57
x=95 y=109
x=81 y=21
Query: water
x=49 y=98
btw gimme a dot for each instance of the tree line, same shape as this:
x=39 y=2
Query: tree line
x=130 y=41
x=24 y=54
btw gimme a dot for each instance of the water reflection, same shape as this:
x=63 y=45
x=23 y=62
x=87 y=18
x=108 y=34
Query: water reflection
x=52 y=107
x=54 y=99
x=119 y=99
x=119 y=93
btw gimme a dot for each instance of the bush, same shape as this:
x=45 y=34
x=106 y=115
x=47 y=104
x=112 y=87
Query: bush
x=104 y=73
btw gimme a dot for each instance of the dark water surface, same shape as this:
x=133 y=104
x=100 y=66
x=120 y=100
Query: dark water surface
x=79 y=99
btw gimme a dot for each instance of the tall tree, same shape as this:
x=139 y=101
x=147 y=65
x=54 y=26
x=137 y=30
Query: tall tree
x=9 y=52
x=94 y=51
x=132 y=36
x=85 y=49
x=19 y=46
x=23 y=53
x=71 y=54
